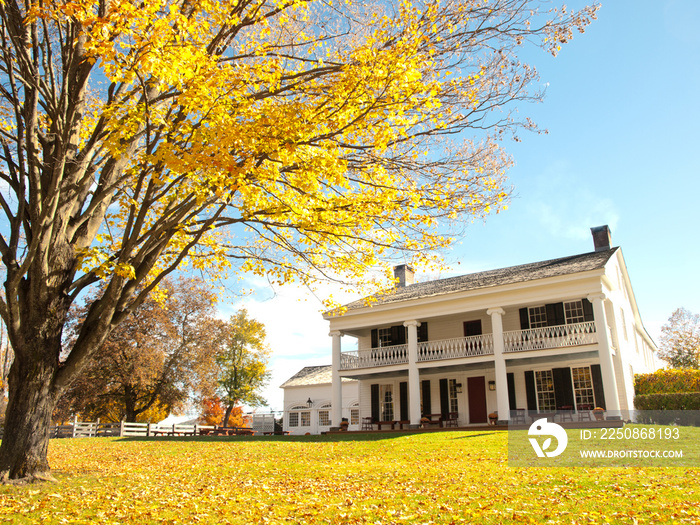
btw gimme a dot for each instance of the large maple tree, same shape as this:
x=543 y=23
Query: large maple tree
x=295 y=138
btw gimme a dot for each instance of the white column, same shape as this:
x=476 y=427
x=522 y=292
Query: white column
x=503 y=403
x=413 y=375
x=336 y=382
x=607 y=367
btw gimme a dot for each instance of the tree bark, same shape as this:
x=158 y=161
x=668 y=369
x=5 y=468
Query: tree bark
x=23 y=452
x=227 y=415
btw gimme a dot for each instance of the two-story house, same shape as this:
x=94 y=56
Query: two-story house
x=551 y=335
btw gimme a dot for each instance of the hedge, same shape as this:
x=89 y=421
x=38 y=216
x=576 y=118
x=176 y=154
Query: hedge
x=682 y=401
x=666 y=409
x=667 y=382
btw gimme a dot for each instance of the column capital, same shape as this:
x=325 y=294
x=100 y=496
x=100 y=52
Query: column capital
x=336 y=333
x=412 y=322
x=597 y=296
x=496 y=311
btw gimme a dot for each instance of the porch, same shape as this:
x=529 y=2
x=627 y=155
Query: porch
x=475 y=346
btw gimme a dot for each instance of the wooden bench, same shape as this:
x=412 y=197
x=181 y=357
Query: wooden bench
x=385 y=423
x=432 y=419
x=228 y=431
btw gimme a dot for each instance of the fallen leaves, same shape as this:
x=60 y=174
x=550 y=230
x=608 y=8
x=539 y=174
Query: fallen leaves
x=420 y=478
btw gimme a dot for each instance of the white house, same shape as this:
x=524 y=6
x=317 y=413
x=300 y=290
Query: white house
x=307 y=401
x=563 y=334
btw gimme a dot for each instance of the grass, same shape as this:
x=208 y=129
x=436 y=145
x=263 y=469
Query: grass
x=447 y=477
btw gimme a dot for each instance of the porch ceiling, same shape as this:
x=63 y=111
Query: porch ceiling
x=556 y=358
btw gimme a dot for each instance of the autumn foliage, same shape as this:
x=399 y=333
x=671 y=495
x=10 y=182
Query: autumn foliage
x=667 y=382
x=299 y=140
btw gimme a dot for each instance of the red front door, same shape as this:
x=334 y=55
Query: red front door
x=476 y=392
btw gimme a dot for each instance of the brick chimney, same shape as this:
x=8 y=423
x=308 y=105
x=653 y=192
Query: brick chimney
x=405 y=274
x=601 y=238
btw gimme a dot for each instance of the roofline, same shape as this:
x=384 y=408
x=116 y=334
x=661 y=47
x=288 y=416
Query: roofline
x=328 y=316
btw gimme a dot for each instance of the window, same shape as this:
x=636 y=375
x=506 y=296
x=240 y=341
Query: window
x=355 y=414
x=538 y=316
x=297 y=412
x=385 y=337
x=573 y=311
x=583 y=386
x=452 y=389
x=386 y=403
x=544 y=382
x=324 y=418
x=324 y=415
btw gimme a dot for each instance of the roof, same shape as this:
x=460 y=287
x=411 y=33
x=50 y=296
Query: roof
x=491 y=278
x=312 y=375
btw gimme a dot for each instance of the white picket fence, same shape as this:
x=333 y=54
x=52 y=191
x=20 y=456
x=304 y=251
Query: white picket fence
x=263 y=423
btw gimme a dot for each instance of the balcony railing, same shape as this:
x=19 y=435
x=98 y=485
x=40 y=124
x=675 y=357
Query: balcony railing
x=387 y=355
x=474 y=346
x=550 y=337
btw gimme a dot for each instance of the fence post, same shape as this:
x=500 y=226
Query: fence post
x=121 y=428
x=194 y=432
x=148 y=430
x=97 y=427
x=75 y=424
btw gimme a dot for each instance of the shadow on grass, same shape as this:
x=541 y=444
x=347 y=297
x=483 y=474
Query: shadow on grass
x=350 y=436
x=475 y=435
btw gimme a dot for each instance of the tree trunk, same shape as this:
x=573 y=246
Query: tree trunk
x=227 y=415
x=23 y=452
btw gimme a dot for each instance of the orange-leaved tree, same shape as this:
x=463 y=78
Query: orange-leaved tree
x=294 y=138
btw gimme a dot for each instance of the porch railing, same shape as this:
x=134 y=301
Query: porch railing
x=387 y=355
x=478 y=345
x=550 y=337
x=471 y=346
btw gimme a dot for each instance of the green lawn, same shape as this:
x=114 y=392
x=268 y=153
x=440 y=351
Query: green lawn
x=460 y=477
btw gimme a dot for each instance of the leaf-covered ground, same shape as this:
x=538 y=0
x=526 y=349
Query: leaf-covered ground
x=446 y=477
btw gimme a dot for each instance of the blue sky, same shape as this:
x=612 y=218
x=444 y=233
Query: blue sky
x=622 y=110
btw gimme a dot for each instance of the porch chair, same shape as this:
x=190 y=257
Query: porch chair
x=367 y=423
x=584 y=412
x=450 y=420
x=566 y=412
x=518 y=416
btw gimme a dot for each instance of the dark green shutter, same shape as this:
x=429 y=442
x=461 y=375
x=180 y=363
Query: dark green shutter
x=472 y=328
x=563 y=387
x=587 y=310
x=425 y=389
x=375 y=402
x=524 y=319
x=398 y=335
x=555 y=314
x=444 y=398
x=511 y=390
x=530 y=391
x=423 y=332
x=598 y=392
x=375 y=338
x=403 y=400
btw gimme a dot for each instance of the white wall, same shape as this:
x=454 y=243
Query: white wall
x=320 y=396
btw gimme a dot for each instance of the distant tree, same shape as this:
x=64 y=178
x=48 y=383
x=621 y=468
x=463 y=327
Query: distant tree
x=152 y=362
x=241 y=360
x=680 y=340
x=212 y=411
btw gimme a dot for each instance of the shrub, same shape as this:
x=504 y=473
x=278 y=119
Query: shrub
x=664 y=409
x=678 y=401
x=667 y=382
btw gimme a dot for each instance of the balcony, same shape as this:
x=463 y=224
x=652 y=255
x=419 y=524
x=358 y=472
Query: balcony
x=560 y=336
